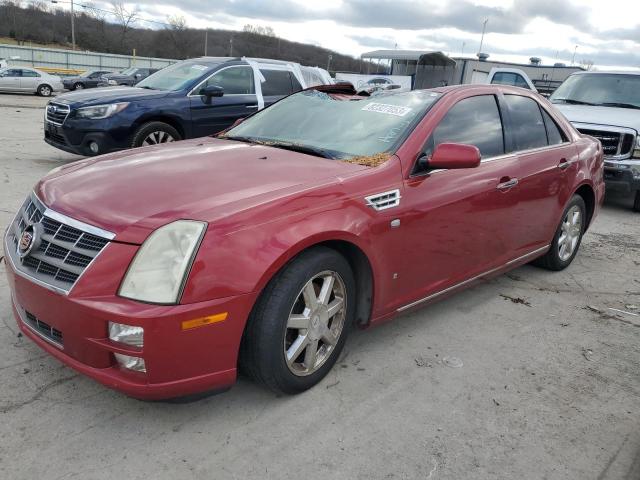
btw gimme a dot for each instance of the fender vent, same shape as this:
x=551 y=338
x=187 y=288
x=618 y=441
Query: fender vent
x=384 y=200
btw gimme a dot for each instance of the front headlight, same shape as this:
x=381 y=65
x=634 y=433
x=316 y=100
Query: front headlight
x=159 y=269
x=98 y=112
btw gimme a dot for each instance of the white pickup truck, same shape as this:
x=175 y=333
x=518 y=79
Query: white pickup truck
x=606 y=105
x=505 y=76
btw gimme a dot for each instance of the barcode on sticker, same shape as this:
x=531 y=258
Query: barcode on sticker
x=396 y=110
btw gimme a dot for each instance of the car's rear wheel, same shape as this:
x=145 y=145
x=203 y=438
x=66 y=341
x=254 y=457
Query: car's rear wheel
x=154 y=133
x=78 y=86
x=300 y=323
x=568 y=237
x=44 y=90
x=636 y=202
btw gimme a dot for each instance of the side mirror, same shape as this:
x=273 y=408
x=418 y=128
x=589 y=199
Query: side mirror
x=455 y=155
x=137 y=76
x=212 y=91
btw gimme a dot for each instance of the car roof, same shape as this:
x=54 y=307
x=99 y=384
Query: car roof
x=610 y=72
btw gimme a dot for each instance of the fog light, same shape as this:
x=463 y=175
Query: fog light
x=94 y=147
x=126 y=334
x=131 y=363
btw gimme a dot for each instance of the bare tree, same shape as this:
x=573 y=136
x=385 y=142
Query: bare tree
x=126 y=18
x=587 y=64
x=179 y=35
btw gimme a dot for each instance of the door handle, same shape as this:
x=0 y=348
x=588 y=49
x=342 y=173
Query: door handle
x=506 y=185
x=563 y=165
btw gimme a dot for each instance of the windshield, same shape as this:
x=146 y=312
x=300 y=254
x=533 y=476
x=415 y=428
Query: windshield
x=175 y=77
x=337 y=126
x=87 y=73
x=129 y=71
x=600 y=89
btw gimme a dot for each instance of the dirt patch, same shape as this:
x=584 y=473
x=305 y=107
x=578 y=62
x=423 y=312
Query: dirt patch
x=369 y=160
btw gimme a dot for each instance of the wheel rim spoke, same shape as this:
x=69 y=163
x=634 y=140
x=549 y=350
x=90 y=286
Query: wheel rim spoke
x=296 y=348
x=299 y=321
x=571 y=229
x=315 y=323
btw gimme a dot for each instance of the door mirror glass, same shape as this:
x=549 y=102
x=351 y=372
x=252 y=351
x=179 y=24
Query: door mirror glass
x=455 y=155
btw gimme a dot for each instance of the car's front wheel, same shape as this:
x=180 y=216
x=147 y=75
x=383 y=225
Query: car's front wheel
x=78 y=86
x=568 y=237
x=299 y=326
x=154 y=133
x=44 y=90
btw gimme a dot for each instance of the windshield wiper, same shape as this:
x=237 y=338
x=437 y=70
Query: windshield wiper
x=296 y=147
x=618 y=104
x=572 y=101
x=238 y=139
x=148 y=88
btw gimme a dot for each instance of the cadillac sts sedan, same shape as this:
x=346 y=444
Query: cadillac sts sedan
x=163 y=271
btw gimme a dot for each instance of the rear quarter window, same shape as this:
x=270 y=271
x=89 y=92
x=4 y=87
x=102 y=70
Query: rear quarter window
x=277 y=83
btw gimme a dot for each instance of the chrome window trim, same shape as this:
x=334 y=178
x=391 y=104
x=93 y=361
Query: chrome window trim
x=472 y=279
x=191 y=94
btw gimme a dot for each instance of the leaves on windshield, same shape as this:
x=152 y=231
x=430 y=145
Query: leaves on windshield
x=369 y=160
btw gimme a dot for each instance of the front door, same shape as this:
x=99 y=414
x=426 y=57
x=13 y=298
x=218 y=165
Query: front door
x=210 y=116
x=10 y=79
x=456 y=223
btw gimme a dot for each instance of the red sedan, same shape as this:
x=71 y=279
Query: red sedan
x=162 y=271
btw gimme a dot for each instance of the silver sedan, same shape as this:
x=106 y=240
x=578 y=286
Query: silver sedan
x=29 y=80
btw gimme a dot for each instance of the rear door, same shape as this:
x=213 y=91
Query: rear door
x=29 y=80
x=238 y=101
x=455 y=223
x=10 y=79
x=546 y=159
x=278 y=83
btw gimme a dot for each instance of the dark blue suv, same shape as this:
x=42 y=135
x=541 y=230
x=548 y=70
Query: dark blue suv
x=189 y=99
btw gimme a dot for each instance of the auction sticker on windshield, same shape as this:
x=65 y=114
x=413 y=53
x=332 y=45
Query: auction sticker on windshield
x=396 y=110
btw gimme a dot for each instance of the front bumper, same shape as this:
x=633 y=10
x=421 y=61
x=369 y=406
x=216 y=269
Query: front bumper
x=619 y=176
x=75 y=136
x=74 y=329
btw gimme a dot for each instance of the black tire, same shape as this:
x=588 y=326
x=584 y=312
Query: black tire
x=151 y=127
x=262 y=351
x=78 y=86
x=552 y=259
x=636 y=202
x=44 y=90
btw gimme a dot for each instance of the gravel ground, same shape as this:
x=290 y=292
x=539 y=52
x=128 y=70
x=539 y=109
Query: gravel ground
x=528 y=376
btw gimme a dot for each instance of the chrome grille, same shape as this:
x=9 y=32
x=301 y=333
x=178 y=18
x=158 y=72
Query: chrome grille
x=57 y=113
x=64 y=252
x=613 y=143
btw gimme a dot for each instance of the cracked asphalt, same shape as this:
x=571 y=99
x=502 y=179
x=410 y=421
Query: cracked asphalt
x=549 y=386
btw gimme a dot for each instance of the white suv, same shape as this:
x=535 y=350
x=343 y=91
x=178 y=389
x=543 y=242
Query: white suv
x=606 y=105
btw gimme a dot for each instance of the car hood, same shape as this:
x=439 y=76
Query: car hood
x=606 y=116
x=132 y=193
x=98 y=96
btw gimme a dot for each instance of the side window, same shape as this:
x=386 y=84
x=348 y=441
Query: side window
x=276 y=83
x=234 y=81
x=294 y=83
x=503 y=78
x=472 y=121
x=30 y=73
x=14 y=72
x=554 y=134
x=520 y=82
x=526 y=120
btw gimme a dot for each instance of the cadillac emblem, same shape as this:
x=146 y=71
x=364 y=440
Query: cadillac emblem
x=29 y=239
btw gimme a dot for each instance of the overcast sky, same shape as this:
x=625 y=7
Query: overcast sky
x=606 y=32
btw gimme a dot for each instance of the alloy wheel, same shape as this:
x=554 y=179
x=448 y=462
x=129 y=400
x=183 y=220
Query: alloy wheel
x=45 y=91
x=315 y=323
x=570 y=232
x=155 y=138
